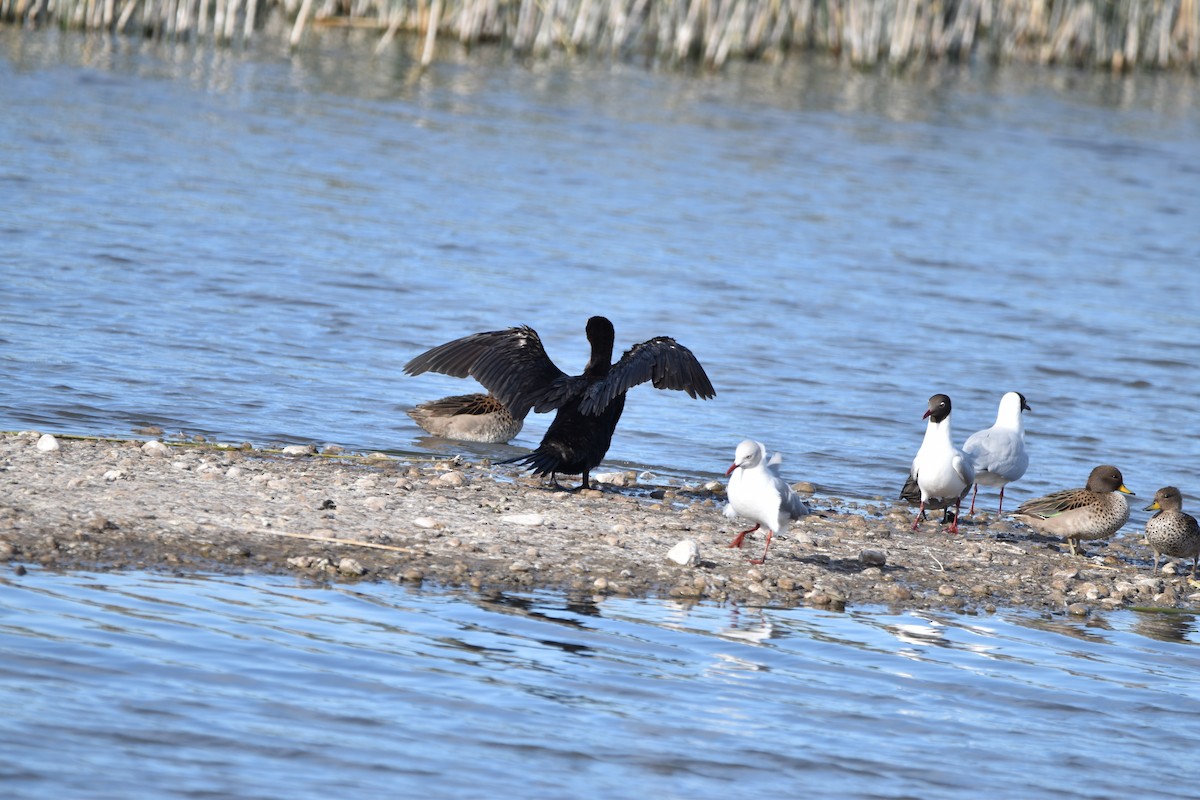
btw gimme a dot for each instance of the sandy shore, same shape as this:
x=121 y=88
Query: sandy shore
x=101 y=504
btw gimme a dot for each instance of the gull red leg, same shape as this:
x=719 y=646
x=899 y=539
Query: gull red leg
x=765 y=549
x=920 y=513
x=1001 y=508
x=737 y=540
x=972 y=511
x=957 y=511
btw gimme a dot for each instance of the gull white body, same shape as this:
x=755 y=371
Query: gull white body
x=998 y=453
x=757 y=492
x=942 y=472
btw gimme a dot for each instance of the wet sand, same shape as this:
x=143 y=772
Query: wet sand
x=198 y=507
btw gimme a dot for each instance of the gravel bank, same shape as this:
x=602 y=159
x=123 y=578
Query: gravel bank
x=102 y=504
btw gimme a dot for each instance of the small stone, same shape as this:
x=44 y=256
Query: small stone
x=97 y=522
x=374 y=503
x=114 y=475
x=47 y=443
x=350 y=566
x=1078 y=609
x=519 y=566
x=600 y=584
x=452 y=478
x=299 y=450
x=872 y=558
x=946 y=590
x=7 y=550
x=530 y=520
x=414 y=575
x=233 y=472
x=804 y=487
x=684 y=553
x=155 y=449
x=333 y=449
x=426 y=522
x=611 y=478
x=899 y=594
x=301 y=562
x=714 y=486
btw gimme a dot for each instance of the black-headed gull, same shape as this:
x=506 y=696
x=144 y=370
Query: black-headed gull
x=758 y=493
x=998 y=453
x=942 y=473
x=514 y=367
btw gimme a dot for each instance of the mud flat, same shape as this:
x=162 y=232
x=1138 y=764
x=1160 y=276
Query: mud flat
x=68 y=503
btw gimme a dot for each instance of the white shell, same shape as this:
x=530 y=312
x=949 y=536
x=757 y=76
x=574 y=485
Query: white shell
x=685 y=553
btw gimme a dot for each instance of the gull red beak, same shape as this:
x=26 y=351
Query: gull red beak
x=729 y=471
x=926 y=414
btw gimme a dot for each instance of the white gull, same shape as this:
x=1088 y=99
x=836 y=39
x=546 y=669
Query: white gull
x=758 y=493
x=998 y=453
x=941 y=474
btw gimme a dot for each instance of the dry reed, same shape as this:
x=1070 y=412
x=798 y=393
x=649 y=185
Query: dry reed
x=1113 y=34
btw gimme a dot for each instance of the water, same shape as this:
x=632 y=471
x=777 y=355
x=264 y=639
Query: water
x=249 y=245
x=161 y=686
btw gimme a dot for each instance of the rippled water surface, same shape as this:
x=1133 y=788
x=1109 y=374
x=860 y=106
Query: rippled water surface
x=261 y=687
x=249 y=245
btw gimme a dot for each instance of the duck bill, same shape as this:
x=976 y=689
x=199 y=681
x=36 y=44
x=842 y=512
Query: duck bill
x=1153 y=507
x=1122 y=488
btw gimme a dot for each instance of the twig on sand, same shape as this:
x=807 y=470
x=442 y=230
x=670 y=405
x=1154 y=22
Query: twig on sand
x=328 y=540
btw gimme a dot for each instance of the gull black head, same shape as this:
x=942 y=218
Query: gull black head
x=939 y=408
x=1024 y=405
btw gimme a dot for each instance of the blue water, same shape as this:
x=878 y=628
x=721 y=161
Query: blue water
x=249 y=245
x=121 y=685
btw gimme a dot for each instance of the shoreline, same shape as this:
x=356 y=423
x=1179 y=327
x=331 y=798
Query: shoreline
x=111 y=504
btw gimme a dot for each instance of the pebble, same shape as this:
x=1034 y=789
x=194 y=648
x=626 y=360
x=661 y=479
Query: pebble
x=452 y=478
x=414 y=575
x=114 y=475
x=7 y=550
x=684 y=553
x=612 y=478
x=529 y=520
x=351 y=566
x=156 y=449
x=426 y=522
x=47 y=443
x=872 y=558
x=299 y=450
x=233 y=472
x=374 y=503
x=1078 y=609
x=946 y=590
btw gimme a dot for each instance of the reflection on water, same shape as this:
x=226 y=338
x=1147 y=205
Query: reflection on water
x=257 y=686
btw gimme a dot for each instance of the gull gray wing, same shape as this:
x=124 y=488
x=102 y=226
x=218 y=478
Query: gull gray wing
x=662 y=361
x=511 y=364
